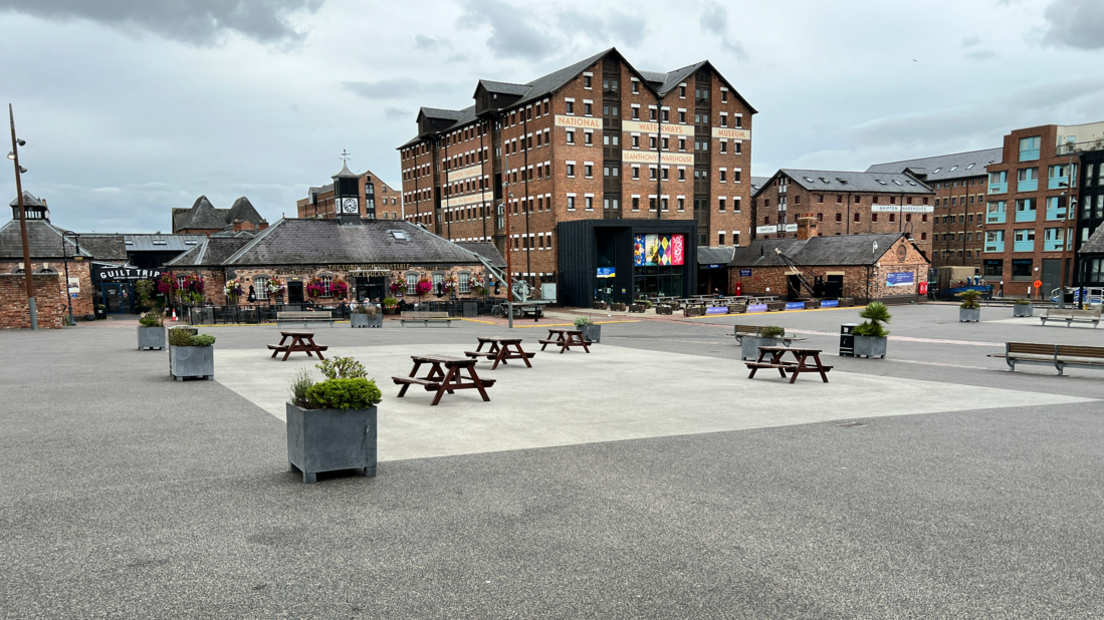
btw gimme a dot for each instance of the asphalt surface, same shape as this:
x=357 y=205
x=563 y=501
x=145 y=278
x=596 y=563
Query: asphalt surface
x=128 y=495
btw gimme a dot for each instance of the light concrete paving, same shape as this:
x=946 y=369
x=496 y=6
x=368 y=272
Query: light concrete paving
x=614 y=393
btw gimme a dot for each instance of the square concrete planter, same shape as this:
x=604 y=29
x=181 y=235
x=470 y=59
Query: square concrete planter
x=364 y=320
x=151 y=338
x=638 y=308
x=1023 y=310
x=812 y=304
x=617 y=307
x=870 y=346
x=599 y=305
x=591 y=333
x=967 y=316
x=846 y=302
x=749 y=346
x=664 y=310
x=320 y=440
x=776 y=306
x=198 y=362
x=737 y=309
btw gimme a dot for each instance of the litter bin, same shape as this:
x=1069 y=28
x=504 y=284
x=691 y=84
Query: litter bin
x=470 y=309
x=847 y=340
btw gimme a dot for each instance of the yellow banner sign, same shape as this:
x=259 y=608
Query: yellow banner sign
x=463 y=201
x=586 y=122
x=652 y=157
x=462 y=174
x=732 y=134
x=668 y=129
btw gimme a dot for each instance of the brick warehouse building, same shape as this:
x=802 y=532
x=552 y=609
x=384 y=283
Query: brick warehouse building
x=597 y=141
x=959 y=181
x=845 y=203
x=376 y=196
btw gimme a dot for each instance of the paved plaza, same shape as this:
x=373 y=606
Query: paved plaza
x=648 y=479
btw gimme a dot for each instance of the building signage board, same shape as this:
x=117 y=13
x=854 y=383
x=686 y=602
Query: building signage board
x=462 y=174
x=763 y=230
x=902 y=209
x=745 y=273
x=464 y=201
x=649 y=250
x=713 y=266
x=732 y=134
x=74 y=285
x=127 y=274
x=607 y=272
x=668 y=129
x=585 y=122
x=791 y=227
x=652 y=157
x=900 y=279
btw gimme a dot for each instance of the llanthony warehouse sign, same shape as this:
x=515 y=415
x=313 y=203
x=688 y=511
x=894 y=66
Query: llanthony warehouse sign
x=370 y=267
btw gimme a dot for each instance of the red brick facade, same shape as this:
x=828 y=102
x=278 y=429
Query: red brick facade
x=50 y=304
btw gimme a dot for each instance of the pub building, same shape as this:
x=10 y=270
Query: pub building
x=368 y=255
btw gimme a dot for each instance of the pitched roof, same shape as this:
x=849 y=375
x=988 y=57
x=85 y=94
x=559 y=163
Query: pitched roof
x=43 y=239
x=312 y=242
x=865 y=182
x=758 y=183
x=944 y=167
x=816 y=251
x=505 y=88
x=243 y=210
x=203 y=216
x=211 y=251
x=715 y=256
x=104 y=246
x=1095 y=243
x=29 y=200
x=485 y=249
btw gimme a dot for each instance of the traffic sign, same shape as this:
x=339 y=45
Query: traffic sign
x=1037 y=283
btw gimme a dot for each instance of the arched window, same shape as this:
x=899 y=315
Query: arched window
x=260 y=286
x=327 y=281
x=438 y=282
x=411 y=283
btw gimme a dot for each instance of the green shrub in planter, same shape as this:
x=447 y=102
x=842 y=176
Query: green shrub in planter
x=582 y=321
x=344 y=394
x=771 y=331
x=870 y=337
x=970 y=299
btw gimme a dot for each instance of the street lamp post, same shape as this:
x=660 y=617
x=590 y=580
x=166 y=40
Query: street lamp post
x=27 y=272
x=65 y=256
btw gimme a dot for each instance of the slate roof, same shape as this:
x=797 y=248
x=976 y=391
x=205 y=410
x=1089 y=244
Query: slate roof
x=715 y=255
x=1095 y=244
x=864 y=182
x=312 y=242
x=105 y=247
x=202 y=216
x=243 y=210
x=211 y=251
x=758 y=183
x=505 y=88
x=944 y=167
x=29 y=200
x=485 y=249
x=816 y=251
x=43 y=238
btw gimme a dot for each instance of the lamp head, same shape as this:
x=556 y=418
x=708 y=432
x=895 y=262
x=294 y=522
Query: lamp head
x=21 y=142
x=11 y=154
x=22 y=170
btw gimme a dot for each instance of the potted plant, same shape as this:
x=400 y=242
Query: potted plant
x=101 y=312
x=599 y=305
x=870 y=337
x=233 y=291
x=812 y=304
x=846 y=302
x=275 y=288
x=390 y=305
x=151 y=330
x=768 y=336
x=970 y=309
x=1023 y=307
x=737 y=309
x=366 y=314
x=616 y=307
x=423 y=287
x=591 y=332
x=664 y=309
x=191 y=354
x=331 y=424
x=776 y=306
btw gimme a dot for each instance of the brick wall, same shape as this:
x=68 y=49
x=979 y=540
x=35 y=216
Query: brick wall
x=83 y=304
x=50 y=303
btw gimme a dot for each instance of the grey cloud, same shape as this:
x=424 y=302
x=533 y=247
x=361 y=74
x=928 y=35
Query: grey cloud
x=398 y=114
x=715 y=19
x=617 y=26
x=511 y=35
x=628 y=28
x=423 y=42
x=981 y=54
x=196 y=22
x=971 y=41
x=395 y=89
x=1075 y=23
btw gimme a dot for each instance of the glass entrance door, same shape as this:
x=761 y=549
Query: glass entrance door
x=113 y=298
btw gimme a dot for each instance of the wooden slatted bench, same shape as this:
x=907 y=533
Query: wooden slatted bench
x=1072 y=316
x=426 y=318
x=1057 y=355
x=303 y=318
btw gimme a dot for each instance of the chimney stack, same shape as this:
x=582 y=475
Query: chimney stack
x=806 y=226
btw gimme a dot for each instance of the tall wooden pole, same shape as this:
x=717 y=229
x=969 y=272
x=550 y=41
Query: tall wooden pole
x=27 y=272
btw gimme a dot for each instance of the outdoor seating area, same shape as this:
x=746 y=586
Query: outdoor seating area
x=796 y=366
x=564 y=339
x=501 y=350
x=446 y=375
x=1071 y=316
x=426 y=318
x=302 y=342
x=1058 y=355
x=304 y=318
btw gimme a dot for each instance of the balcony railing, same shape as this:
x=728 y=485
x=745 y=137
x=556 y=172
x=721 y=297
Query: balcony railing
x=1029 y=155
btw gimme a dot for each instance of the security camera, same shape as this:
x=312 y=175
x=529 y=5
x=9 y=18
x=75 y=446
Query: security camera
x=21 y=142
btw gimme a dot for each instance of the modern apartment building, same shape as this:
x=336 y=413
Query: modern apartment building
x=845 y=203
x=609 y=176
x=1032 y=228
x=959 y=181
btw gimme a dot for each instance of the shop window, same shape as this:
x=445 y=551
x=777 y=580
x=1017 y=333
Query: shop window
x=411 y=284
x=464 y=279
x=260 y=287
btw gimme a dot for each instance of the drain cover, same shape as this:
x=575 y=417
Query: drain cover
x=851 y=424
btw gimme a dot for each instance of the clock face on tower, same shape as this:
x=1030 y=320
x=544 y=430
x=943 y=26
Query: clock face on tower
x=349 y=205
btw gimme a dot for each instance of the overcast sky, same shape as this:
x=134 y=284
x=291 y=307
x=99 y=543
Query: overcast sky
x=132 y=107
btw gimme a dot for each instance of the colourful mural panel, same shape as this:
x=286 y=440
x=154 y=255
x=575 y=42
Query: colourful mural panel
x=651 y=250
x=638 y=251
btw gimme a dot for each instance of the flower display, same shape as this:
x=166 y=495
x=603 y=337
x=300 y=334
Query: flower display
x=166 y=284
x=232 y=290
x=315 y=288
x=193 y=288
x=339 y=288
x=274 y=286
x=423 y=286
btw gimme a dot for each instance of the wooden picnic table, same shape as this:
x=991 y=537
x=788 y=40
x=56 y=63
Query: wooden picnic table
x=501 y=351
x=796 y=367
x=446 y=374
x=300 y=341
x=565 y=338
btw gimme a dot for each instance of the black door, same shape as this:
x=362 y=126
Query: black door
x=295 y=292
x=833 y=288
x=113 y=298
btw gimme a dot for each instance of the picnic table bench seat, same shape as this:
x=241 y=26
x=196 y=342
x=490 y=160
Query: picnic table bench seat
x=1071 y=316
x=1057 y=355
x=426 y=318
x=303 y=317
